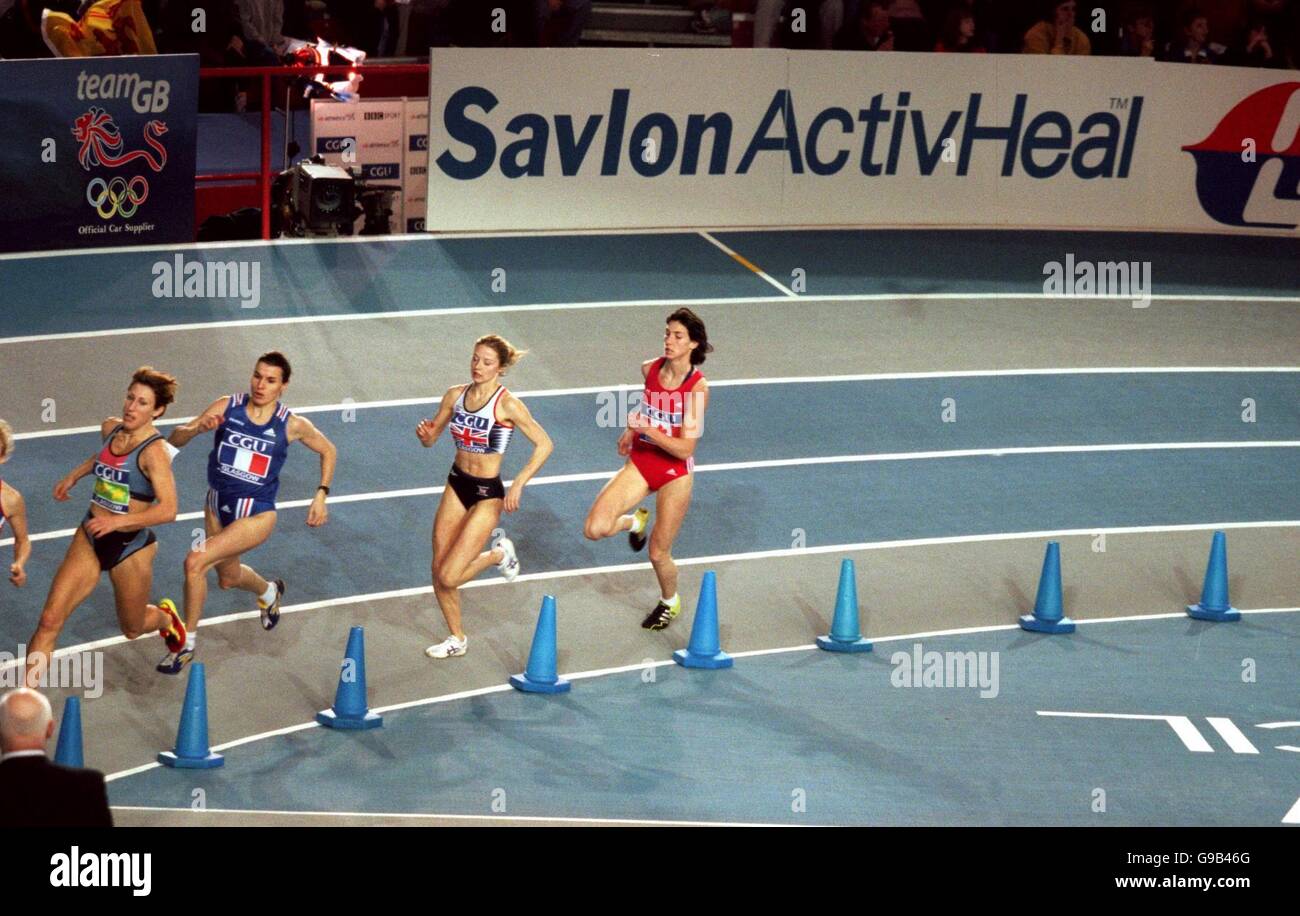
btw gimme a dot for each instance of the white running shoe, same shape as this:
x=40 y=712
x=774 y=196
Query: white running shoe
x=509 y=565
x=449 y=647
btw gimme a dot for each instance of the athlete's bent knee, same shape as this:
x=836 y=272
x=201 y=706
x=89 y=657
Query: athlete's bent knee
x=194 y=563
x=660 y=553
x=132 y=632
x=597 y=528
x=446 y=577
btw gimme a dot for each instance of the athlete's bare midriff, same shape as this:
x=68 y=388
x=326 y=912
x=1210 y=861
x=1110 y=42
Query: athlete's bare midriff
x=475 y=465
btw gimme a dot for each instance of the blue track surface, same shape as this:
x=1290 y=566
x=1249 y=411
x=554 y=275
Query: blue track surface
x=835 y=503
x=740 y=745
x=433 y=273
x=743 y=745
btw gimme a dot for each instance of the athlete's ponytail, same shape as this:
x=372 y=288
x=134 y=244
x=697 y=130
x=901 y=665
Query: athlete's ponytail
x=506 y=352
x=695 y=330
x=6 y=441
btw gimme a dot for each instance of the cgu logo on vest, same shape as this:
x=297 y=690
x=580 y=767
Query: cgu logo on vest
x=883 y=139
x=471 y=420
x=252 y=443
x=104 y=869
x=110 y=473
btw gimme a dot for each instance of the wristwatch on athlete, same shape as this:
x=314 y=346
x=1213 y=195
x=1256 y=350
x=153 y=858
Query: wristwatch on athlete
x=325 y=488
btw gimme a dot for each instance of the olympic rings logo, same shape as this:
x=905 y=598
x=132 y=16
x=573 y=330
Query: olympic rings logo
x=117 y=196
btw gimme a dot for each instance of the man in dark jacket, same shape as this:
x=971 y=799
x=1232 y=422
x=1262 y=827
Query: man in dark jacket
x=33 y=791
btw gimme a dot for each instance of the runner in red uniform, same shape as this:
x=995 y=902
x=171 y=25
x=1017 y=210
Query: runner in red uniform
x=660 y=446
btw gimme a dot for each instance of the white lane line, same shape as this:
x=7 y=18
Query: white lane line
x=1282 y=747
x=741 y=382
x=511 y=818
x=1292 y=816
x=1232 y=735
x=660 y=663
x=766 y=464
x=745 y=262
x=609 y=304
x=431 y=237
x=425 y=237
x=415 y=591
x=1183 y=727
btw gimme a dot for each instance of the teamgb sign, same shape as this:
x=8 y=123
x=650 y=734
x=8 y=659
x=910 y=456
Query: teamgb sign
x=99 y=151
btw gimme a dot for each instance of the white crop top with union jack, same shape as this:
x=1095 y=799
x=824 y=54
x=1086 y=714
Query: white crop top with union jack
x=480 y=431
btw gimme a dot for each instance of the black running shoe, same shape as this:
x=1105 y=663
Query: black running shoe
x=271 y=615
x=637 y=541
x=660 y=617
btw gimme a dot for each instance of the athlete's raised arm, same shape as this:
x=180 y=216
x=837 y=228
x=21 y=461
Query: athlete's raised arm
x=303 y=430
x=205 y=422
x=64 y=486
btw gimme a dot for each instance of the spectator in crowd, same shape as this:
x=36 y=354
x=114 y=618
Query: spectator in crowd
x=870 y=31
x=1280 y=20
x=911 y=30
x=555 y=23
x=33 y=791
x=821 y=21
x=767 y=23
x=1193 y=45
x=298 y=15
x=1138 y=32
x=262 y=24
x=20 y=29
x=1254 y=48
x=373 y=26
x=702 y=18
x=1056 y=32
x=958 y=33
x=220 y=44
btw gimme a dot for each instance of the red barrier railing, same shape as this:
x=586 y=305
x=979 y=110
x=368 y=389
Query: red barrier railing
x=266 y=74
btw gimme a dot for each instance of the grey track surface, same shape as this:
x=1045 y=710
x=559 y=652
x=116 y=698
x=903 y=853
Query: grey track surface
x=390 y=358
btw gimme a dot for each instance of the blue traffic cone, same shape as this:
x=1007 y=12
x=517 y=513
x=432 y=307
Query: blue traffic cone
x=350 y=710
x=1214 y=592
x=846 y=634
x=704 y=650
x=192 y=751
x=540 y=676
x=1048 y=616
x=68 y=751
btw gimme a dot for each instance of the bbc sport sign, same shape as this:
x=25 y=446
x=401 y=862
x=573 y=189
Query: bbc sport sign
x=611 y=138
x=98 y=151
x=387 y=139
